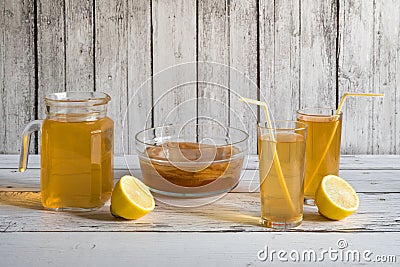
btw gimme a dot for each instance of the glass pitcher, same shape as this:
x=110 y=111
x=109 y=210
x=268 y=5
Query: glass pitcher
x=76 y=147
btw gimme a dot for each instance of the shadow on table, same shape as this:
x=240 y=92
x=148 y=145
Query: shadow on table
x=29 y=200
x=102 y=214
x=310 y=214
x=233 y=213
x=242 y=218
x=249 y=214
x=246 y=217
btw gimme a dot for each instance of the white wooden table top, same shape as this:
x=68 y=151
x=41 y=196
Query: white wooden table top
x=218 y=234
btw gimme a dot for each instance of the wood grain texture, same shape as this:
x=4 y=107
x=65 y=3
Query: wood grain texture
x=235 y=212
x=358 y=72
x=367 y=174
x=289 y=48
x=280 y=46
x=213 y=46
x=111 y=62
x=267 y=55
x=347 y=162
x=364 y=181
x=355 y=70
x=139 y=71
x=226 y=231
x=51 y=50
x=243 y=59
x=174 y=42
x=3 y=133
x=17 y=80
x=79 y=48
x=186 y=249
x=386 y=116
x=318 y=53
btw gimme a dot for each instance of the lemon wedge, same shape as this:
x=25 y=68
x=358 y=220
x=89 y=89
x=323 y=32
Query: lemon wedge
x=131 y=199
x=335 y=198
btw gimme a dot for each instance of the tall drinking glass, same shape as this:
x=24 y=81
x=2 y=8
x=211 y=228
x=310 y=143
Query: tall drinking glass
x=281 y=163
x=323 y=146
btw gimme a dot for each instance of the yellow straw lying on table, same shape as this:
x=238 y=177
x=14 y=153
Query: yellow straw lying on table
x=344 y=97
x=276 y=161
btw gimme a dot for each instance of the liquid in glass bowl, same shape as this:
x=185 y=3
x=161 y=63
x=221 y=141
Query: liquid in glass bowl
x=191 y=160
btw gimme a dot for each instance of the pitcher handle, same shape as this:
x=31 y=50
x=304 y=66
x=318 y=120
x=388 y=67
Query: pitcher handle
x=33 y=126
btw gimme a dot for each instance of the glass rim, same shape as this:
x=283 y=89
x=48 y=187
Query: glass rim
x=304 y=112
x=301 y=128
x=76 y=97
x=246 y=135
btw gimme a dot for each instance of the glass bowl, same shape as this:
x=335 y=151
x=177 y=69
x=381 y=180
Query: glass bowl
x=192 y=160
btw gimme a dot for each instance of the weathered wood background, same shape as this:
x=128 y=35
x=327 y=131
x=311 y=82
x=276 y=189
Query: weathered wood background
x=300 y=53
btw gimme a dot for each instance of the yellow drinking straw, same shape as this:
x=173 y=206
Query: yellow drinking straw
x=276 y=161
x=344 y=97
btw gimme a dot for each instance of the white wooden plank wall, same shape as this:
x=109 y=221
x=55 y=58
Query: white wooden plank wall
x=51 y=50
x=243 y=57
x=213 y=46
x=300 y=53
x=79 y=45
x=387 y=76
x=369 y=61
x=318 y=53
x=17 y=63
x=280 y=56
x=139 y=70
x=111 y=60
x=174 y=42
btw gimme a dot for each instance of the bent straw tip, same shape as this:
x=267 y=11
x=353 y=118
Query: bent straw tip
x=252 y=101
x=244 y=99
x=363 y=94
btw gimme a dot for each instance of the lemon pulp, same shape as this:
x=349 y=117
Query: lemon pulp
x=131 y=199
x=335 y=198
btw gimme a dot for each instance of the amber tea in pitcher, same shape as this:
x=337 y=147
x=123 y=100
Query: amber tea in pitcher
x=76 y=151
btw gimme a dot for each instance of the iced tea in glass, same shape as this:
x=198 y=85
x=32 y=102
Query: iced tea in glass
x=323 y=146
x=281 y=164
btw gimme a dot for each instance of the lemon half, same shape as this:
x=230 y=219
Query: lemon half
x=131 y=199
x=335 y=198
